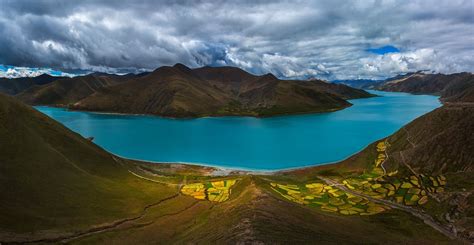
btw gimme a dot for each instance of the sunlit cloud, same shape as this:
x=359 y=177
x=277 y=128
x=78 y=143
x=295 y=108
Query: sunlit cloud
x=16 y=72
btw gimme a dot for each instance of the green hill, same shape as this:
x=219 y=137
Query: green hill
x=52 y=179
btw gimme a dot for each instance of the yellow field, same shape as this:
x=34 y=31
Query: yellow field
x=216 y=191
x=328 y=199
x=408 y=190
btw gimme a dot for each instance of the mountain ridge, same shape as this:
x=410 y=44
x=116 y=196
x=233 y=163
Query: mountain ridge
x=179 y=91
x=13 y=86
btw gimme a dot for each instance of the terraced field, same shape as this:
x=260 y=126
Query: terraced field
x=375 y=183
x=328 y=199
x=215 y=191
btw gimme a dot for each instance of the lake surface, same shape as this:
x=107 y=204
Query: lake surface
x=246 y=142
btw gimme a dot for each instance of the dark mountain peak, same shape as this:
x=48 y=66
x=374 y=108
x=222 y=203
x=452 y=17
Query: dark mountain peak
x=181 y=67
x=44 y=76
x=269 y=76
x=98 y=74
x=163 y=70
x=184 y=69
x=223 y=69
x=168 y=71
x=224 y=74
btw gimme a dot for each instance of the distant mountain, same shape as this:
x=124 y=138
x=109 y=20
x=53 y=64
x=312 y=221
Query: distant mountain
x=17 y=85
x=179 y=91
x=70 y=90
x=450 y=87
x=358 y=83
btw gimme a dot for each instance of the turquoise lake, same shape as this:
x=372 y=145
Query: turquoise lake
x=246 y=142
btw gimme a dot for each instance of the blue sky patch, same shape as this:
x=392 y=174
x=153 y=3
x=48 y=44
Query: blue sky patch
x=9 y=71
x=384 y=50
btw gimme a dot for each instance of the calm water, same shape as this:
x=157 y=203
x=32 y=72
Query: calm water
x=250 y=143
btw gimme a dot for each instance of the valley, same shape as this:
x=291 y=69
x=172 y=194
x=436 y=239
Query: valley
x=412 y=186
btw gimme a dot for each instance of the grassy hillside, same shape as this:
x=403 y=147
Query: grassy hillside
x=254 y=214
x=438 y=142
x=53 y=179
x=431 y=156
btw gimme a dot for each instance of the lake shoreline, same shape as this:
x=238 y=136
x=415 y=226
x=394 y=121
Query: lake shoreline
x=68 y=108
x=248 y=144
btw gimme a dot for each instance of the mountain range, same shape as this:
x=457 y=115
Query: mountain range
x=17 y=85
x=451 y=87
x=178 y=91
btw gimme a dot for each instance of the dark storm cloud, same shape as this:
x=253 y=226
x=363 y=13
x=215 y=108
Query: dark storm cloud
x=326 y=39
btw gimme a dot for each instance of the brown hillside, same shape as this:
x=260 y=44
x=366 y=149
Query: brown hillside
x=68 y=90
x=179 y=91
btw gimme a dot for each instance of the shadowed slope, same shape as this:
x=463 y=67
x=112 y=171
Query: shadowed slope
x=52 y=179
x=18 y=85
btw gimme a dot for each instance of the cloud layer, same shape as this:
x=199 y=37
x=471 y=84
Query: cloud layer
x=326 y=39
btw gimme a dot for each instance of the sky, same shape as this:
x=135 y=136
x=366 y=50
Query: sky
x=330 y=40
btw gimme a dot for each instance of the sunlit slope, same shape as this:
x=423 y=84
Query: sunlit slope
x=253 y=214
x=53 y=179
x=65 y=91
